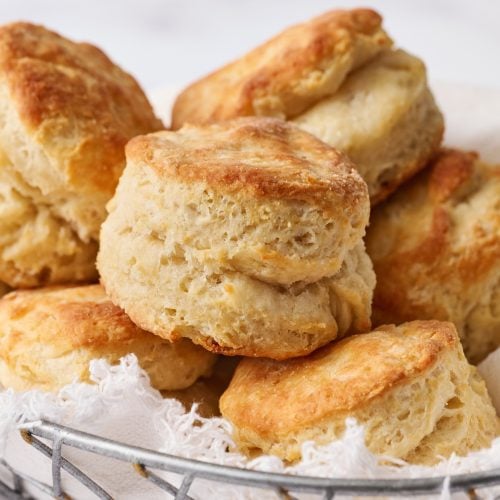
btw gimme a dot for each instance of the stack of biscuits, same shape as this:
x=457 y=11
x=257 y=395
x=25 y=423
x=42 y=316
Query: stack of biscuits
x=300 y=213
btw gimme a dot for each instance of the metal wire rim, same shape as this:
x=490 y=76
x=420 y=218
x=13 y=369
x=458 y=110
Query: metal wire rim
x=143 y=459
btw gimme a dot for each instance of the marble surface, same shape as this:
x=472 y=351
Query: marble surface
x=175 y=41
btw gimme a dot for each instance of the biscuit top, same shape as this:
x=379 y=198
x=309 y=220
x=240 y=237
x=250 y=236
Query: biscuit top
x=340 y=377
x=264 y=156
x=66 y=318
x=289 y=73
x=74 y=102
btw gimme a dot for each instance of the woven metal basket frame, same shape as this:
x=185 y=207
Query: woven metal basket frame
x=144 y=462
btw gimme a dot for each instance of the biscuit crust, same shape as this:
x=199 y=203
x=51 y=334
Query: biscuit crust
x=48 y=337
x=350 y=373
x=66 y=113
x=435 y=246
x=264 y=156
x=73 y=101
x=399 y=382
x=287 y=74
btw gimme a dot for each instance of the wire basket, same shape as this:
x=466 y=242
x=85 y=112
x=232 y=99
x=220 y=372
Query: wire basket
x=144 y=461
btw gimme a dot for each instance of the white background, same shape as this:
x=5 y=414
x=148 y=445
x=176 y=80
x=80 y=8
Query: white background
x=171 y=42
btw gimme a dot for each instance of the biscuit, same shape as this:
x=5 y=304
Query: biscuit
x=66 y=113
x=409 y=386
x=337 y=77
x=289 y=73
x=244 y=236
x=48 y=337
x=435 y=246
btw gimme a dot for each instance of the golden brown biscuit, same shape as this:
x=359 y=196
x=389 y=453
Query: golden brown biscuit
x=337 y=77
x=435 y=246
x=48 y=337
x=289 y=73
x=409 y=386
x=244 y=236
x=66 y=113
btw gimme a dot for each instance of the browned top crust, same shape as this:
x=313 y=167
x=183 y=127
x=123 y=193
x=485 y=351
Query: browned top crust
x=67 y=317
x=435 y=243
x=287 y=74
x=285 y=396
x=73 y=101
x=48 y=337
x=262 y=156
